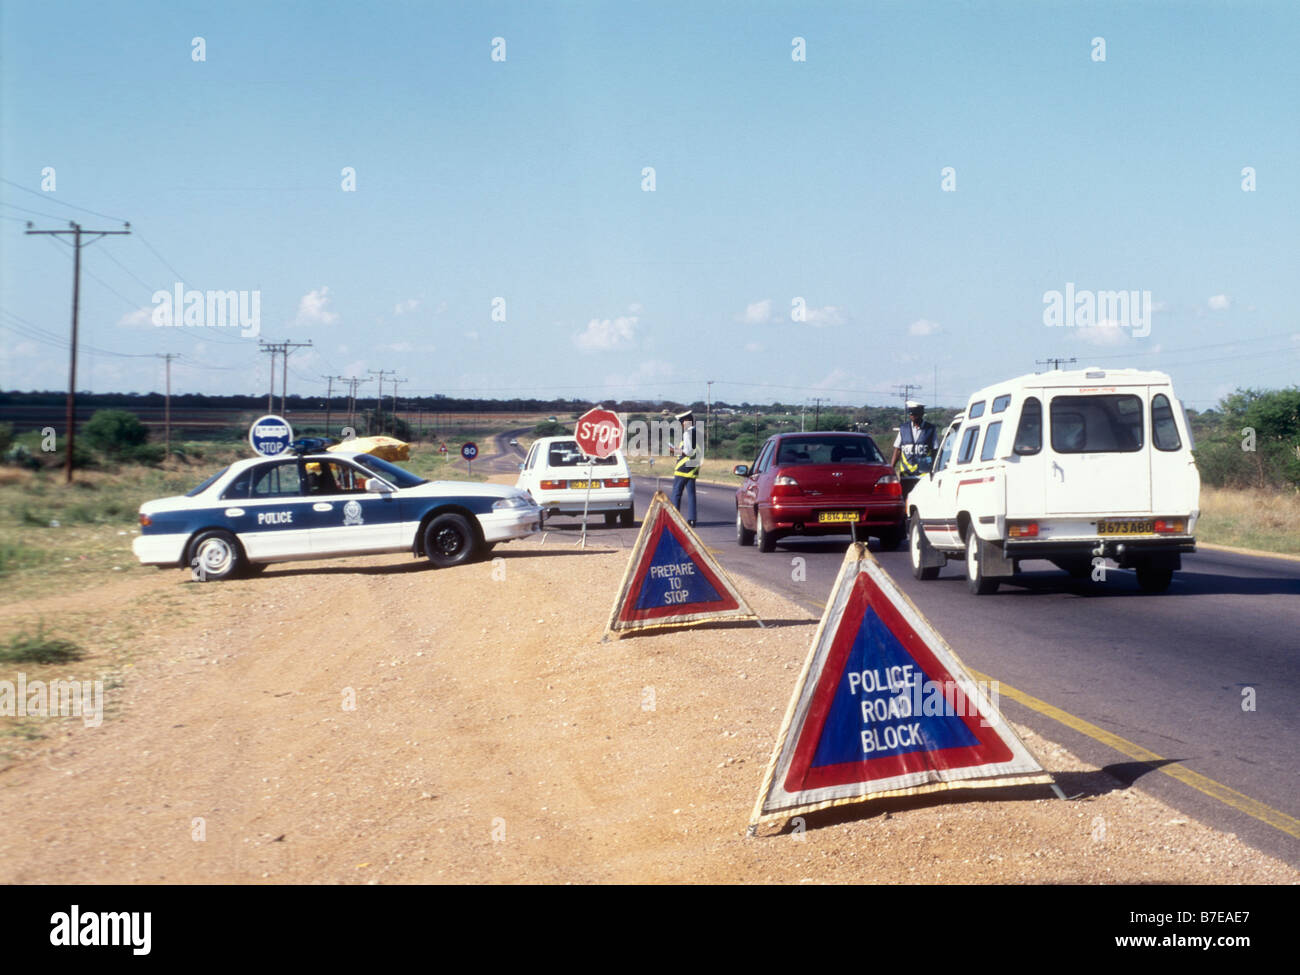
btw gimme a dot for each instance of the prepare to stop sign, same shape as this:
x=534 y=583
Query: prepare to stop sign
x=599 y=433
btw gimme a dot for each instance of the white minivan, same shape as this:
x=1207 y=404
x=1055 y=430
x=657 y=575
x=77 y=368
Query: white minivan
x=557 y=473
x=1071 y=466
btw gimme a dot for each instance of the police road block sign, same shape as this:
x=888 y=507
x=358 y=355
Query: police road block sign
x=270 y=435
x=671 y=579
x=883 y=707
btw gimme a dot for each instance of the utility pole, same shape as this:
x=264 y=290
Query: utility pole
x=1054 y=363
x=379 y=399
x=905 y=392
x=286 y=347
x=70 y=420
x=329 y=392
x=167 y=410
x=708 y=413
x=274 y=350
x=396 y=382
x=817 y=416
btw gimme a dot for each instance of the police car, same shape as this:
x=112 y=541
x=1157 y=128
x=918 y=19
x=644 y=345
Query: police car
x=313 y=505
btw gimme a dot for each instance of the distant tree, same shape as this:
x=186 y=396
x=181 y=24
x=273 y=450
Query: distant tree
x=115 y=433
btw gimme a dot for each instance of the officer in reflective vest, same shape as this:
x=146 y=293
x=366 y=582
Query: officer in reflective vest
x=915 y=444
x=688 y=467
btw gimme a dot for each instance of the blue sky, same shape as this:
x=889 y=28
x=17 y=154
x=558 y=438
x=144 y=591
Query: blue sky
x=774 y=179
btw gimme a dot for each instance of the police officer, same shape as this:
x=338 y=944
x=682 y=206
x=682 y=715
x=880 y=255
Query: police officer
x=916 y=443
x=688 y=467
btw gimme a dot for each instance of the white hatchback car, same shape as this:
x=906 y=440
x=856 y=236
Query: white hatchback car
x=556 y=473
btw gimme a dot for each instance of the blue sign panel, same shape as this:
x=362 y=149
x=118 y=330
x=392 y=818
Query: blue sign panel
x=270 y=435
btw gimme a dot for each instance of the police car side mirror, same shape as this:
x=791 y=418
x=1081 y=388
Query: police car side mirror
x=378 y=486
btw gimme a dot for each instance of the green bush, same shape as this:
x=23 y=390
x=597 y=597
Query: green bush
x=550 y=428
x=6 y=437
x=37 y=648
x=115 y=433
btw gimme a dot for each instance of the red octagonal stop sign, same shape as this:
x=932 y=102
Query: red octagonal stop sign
x=599 y=433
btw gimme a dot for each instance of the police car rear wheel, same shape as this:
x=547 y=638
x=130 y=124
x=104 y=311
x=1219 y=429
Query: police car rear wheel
x=214 y=556
x=449 y=540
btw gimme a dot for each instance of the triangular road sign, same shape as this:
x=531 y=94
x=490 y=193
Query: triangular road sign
x=884 y=708
x=671 y=579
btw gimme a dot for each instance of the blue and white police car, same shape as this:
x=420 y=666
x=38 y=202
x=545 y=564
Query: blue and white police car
x=315 y=505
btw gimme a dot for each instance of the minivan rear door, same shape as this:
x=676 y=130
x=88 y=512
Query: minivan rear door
x=1098 y=451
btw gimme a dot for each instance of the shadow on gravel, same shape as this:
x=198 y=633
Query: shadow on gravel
x=884 y=808
x=711 y=625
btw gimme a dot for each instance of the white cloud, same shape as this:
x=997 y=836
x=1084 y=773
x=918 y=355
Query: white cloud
x=635 y=308
x=1219 y=302
x=313 y=309
x=826 y=315
x=753 y=347
x=406 y=307
x=923 y=326
x=606 y=333
x=1104 y=334
x=141 y=316
x=757 y=313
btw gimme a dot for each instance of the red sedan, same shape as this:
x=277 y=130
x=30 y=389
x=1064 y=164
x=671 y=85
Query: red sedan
x=819 y=484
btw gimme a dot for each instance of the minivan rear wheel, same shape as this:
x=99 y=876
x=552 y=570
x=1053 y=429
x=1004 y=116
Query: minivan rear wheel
x=975 y=580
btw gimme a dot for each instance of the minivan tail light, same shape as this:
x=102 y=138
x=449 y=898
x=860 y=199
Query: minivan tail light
x=618 y=482
x=552 y=485
x=145 y=521
x=1169 y=526
x=1026 y=529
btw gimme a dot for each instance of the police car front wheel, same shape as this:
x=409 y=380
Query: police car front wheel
x=449 y=540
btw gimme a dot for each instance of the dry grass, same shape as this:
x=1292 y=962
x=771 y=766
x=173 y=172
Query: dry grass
x=1268 y=521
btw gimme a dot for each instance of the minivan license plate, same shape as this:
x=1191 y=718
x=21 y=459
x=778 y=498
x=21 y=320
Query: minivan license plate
x=1125 y=526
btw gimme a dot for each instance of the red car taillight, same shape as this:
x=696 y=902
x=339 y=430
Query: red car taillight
x=785 y=486
x=890 y=486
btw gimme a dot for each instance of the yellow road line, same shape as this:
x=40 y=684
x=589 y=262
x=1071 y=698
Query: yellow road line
x=1201 y=783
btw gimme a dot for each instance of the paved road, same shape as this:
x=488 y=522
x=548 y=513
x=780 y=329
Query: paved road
x=1164 y=672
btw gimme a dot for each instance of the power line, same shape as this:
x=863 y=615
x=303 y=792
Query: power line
x=54 y=199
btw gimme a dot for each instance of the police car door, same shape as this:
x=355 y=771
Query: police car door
x=272 y=523
x=347 y=514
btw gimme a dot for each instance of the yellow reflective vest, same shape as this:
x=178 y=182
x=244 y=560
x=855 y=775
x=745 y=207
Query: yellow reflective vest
x=688 y=465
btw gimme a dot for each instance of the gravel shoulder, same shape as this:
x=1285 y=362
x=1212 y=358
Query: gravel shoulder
x=495 y=738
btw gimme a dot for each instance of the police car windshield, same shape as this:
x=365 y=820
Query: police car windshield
x=206 y=484
x=389 y=472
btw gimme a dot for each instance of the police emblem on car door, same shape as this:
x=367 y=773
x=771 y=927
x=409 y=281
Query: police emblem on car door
x=348 y=514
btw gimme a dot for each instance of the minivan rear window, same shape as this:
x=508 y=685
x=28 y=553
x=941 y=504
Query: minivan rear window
x=1164 y=431
x=1105 y=424
x=1029 y=435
